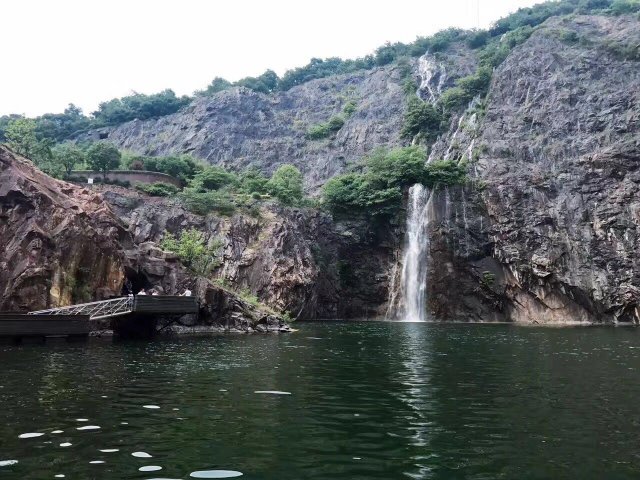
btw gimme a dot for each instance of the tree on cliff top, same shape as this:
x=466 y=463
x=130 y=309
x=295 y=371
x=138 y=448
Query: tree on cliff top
x=103 y=157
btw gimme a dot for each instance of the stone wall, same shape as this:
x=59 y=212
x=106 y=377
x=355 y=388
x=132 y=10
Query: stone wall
x=131 y=176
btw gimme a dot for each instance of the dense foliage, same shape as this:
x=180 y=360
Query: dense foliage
x=421 y=120
x=140 y=106
x=193 y=250
x=323 y=130
x=69 y=156
x=182 y=166
x=377 y=191
x=286 y=184
x=157 y=189
x=103 y=157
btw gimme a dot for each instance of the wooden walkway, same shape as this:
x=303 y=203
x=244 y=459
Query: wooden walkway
x=75 y=320
x=22 y=325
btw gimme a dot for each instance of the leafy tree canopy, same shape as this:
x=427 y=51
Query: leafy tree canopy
x=286 y=184
x=68 y=156
x=377 y=191
x=103 y=157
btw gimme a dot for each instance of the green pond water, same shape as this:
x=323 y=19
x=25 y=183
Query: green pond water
x=363 y=401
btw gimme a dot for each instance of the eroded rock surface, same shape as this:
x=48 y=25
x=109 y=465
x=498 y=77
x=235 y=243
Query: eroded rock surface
x=552 y=222
x=239 y=128
x=63 y=244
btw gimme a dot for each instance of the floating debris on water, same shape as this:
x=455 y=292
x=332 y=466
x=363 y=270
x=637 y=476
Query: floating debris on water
x=109 y=450
x=215 y=474
x=150 y=468
x=58 y=431
x=30 y=435
x=272 y=392
x=66 y=444
x=89 y=427
x=7 y=463
x=141 y=455
x=152 y=407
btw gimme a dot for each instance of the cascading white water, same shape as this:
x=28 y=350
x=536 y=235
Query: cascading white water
x=413 y=279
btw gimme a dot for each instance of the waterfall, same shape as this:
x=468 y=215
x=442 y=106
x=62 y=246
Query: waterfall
x=413 y=276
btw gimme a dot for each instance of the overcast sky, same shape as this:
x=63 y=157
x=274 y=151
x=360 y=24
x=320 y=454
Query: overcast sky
x=56 y=52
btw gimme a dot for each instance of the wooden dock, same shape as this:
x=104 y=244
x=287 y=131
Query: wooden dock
x=22 y=325
x=165 y=304
x=127 y=316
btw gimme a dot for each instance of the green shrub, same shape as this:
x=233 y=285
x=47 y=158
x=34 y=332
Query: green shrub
x=286 y=184
x=398 y=167
x=213 y=178
x=253 y=181
x=477 y=38
x=378 y=191
x=335 y=123
x=497 y=50
x=103 y=157
x=158 y=189
x=466 y=89
x=421 y=118
x=622 y=7
x=192 y=249
x=568 y=36
x=323 y=130
x=202 y=203
x=319 y=131
x=140 y=106
x=445 y=172
x=349 y=108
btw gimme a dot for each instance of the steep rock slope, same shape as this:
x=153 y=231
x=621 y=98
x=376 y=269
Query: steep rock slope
x=555 y=229
x=60 y=241
x=63 y=244
x=546 y=231
x=238 y=128
x=297 y=260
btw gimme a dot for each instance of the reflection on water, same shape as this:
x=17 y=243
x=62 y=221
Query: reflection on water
x=340 y=401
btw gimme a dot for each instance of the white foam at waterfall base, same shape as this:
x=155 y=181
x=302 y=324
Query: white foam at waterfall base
x=413 y=278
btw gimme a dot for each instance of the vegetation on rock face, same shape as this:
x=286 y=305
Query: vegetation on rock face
x=421 y=119
x=138 y=105
x=377 y=191
x=323 y=130
x=492 y=45
x=202 y=203
x=157 y=189
x=466 y=89
x=20 y=135
x=286 y=185
x=184 y=167
x=193 y=250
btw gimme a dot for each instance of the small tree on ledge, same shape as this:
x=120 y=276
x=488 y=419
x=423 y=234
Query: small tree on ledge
x=103 y=157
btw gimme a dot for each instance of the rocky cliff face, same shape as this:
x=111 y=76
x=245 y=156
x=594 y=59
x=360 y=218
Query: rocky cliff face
x=547 y=230
x=295 y=260
x=553 y=236
x=239 y=128
x=63 y=244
